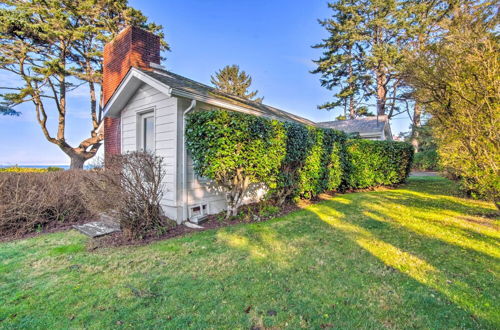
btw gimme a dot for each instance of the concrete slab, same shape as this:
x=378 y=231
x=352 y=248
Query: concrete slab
x=192 y=225
x=98 y=228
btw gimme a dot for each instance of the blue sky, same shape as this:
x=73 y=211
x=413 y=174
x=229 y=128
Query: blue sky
x=270 y=39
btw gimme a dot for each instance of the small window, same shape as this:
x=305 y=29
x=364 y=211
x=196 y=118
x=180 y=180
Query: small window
x=147 y=132
x=199 y=211
x=196 y=211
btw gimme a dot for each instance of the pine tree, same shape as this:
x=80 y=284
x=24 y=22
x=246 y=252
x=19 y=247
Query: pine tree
x=232 y=81
x=342 y=66
x=362 y=55
x=53 y=47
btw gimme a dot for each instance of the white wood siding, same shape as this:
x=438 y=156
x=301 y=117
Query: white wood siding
x=147 y=99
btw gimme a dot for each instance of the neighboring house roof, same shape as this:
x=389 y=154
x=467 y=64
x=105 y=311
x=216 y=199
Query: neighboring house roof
x=180 y=83
x=365 y=126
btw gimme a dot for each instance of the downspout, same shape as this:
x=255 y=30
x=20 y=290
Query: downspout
x=184 y=163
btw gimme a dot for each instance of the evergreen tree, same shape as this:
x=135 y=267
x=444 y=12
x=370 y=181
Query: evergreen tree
x=55 y=46
x=232 y=81
x=342 y=65
x=362 y=54
x=384 y=59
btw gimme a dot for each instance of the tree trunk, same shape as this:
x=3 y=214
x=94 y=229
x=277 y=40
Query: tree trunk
x=76 y=162
x=352 y=108
x=417 y=113
x=381 y=93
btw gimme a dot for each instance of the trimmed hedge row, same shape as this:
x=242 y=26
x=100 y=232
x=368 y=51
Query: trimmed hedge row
x=236 y=150
x=377 y=163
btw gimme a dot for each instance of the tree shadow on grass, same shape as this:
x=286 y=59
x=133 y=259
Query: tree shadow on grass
x=451 y=261
x=349 y=262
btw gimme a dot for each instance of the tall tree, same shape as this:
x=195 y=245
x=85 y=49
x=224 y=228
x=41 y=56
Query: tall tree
x=362 y=54
x=384 y=57
x=232 y=80
x=342 y=66
x=54 y=47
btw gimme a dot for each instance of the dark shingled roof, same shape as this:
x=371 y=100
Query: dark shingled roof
x=181 y=83
x=365 y=125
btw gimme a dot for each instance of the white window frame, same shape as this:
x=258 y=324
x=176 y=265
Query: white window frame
x=204 y=211
x=149 y=113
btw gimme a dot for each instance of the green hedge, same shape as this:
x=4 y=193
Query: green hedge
x=235 y=150
x=292 y=160
x=325 y=163
x=377 y=163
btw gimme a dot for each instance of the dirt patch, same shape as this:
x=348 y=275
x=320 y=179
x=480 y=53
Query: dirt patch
x=213 y=222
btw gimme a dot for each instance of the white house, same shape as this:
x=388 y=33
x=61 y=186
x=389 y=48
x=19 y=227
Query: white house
x=145 y=108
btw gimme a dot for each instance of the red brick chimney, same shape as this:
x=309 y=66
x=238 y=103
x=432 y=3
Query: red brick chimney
x=132 y=47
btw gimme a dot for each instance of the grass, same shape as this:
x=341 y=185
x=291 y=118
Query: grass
x=414 y=257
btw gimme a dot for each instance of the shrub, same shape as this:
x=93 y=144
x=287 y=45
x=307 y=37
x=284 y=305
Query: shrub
x=133 y=185
x=426 y=160
x=33 y=201
x=291 y=160
x=457 y=78
x=325 y=163
x=268 y=210
x=311 y=173
x=334 y=160
x=376 y=163
x=235 y=150
x=299 y=141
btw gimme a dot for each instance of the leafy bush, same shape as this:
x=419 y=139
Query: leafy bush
x=17 y=169
x=132 y=185
x=426 y=160
x=376 y=163
x=325 y=163
x=299 y=141
x=291 y=160
x=311 y=174
x=235 y=150
x=458 y=80
x=268 y=210
x=334 y=160
x=33 y=201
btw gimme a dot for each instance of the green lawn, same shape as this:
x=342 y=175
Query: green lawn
x=413 y=257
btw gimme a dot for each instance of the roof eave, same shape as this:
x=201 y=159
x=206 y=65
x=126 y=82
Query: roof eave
x=227 y=105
